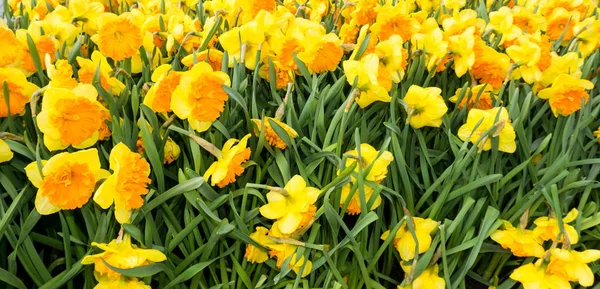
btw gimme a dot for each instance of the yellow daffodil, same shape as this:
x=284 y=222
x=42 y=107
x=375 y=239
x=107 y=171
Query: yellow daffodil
x=121 y=254
x=369 y=156
x=165 y=81
x=256 y=255
x=291 y=207
x=85 y=14
x=8 y=39
x=6 y=153
x=391 y=57
x=44 y=44
x=526 y=54
x=122 y=282
x=394 y=20
x=200 y=97
x=242 y=43
x=561 y=23
x=404 y=241
x=67 y=180
x=270 y=135
x=520 y=242
x=566 y=94
x=432 y=42
x=490 y=66
x=462 y=21
x=586 y=33
x=547 y=228
x=322 y=52
x=118 y=37
x=426 y=107
x=536 y=276
x=126 y=186
x=225 y=169
x=481 y=93
x=57 y=24
x=286 y=251
x=88 y=69
x=428 y=279
x=461 y=47
x=60 y=73
x=569 y=63
x=573 y=265
x=501 y=22
x=20 y=91
x=364 y=73
x=354 y=206
x=597 y=134
x=496 y=116
x=71 y=117
x=213 y=57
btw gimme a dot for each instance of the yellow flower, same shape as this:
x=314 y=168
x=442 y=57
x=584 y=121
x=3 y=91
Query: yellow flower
x=290 y=208
x=88 y=69
x=566 y=94
x=126 y=186
x=587 y=36
x=242 y=43
x=118 y=37
x=461 y=47
x=270 y=134
x=535 y=276
x=85 y=14
x=68 y=180
x=60 y=73
x=482 y=93
x=364 y=73
x=20 y=91
x=490 y=66
x=432 y=42
x=57 y=24
x=597 y=134
x=526 y=54
x=200 y=97
x=520 y=242
x=172 y=151
x=122 y=282
x=322 y=52
x=561 y=23
x=354 y=207
x=404 y=241
x=504 y=131
x=547 y=228
x=5 y=153
x=501 y=22
x=214 y=57
x=8 y=39
x=71 y=117
x=428 y=279
x=121 y=254
x=572 y=265
x=44 y=45
x=165 y=81
x=394 y=20
x=225 y=169
x=256 y=255
x=285 y=251
x=368 y=156
x=569 y=63
x=390 y=57
x=426 y=107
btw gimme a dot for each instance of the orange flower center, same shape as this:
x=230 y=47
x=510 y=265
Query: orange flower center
x=326 y=57
x=400 y=25
x=68 y=185
x=76 y=119
x=16 y=98
x=569 y=100
x=162 y=101
x=235 y=167
x=557 y=27
x=132 y=180
x=207 y=97
x=120 y=39
x=308 y=216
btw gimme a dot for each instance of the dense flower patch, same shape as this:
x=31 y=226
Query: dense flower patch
x=299 y=144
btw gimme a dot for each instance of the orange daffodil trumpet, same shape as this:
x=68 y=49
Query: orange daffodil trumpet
x=126 y=186
x=66 y=181
x=199 y=97
x=229 y=163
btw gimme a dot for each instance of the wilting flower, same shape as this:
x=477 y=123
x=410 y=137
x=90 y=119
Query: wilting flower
x=547 y=228
x=504 y=130
x=126 y=186
x=229 y=165
x=270 y=135
x=572 y=265
x=88 y=69
x=68 y=180
x=566 y=94
x=428 y=279
x=293 y=207
x=121 y=254
x=404 y=241
x=20 y=90
x=71 y=117
x=118 y=37
x=482 y=94
x=256 y=255
x=426 y=107
x=165 y=81
x=199 y=97
x=535 y=276
x=520 y=242
x=364 y=73
x=5 y=153
x=172 y=151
